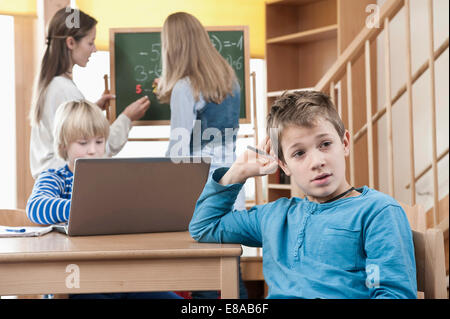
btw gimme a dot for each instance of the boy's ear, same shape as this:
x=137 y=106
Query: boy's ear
x=62 y=150
x=284 y=167
x=346 y=143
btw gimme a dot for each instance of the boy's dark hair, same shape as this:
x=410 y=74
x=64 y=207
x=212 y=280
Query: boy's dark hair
x=301 y=108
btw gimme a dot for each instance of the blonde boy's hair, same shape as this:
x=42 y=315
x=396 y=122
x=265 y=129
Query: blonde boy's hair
x=304 y=109
x=77 y=120
x=187 y=51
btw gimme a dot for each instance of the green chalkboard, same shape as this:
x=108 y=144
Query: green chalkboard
x=136 y=62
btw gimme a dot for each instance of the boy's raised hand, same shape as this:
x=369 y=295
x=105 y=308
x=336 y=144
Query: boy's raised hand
x=251 y=164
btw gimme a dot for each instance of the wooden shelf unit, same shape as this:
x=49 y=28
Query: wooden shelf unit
x=301 y=45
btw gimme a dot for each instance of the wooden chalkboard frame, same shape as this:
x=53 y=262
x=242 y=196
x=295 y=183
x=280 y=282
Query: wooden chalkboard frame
x=243 y=28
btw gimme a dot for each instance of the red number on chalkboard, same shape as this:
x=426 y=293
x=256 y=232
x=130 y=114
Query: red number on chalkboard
x=138 y=88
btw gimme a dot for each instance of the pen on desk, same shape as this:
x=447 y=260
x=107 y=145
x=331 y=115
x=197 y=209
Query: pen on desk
x=21 y=230
x=260 y=152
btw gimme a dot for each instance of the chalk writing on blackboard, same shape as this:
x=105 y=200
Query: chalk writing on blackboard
x=138 y=61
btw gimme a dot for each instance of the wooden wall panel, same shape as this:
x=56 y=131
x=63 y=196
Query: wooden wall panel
x=28 y=43
x=279 y=75
x=51 y=6
x=25 y=71
x=317 y=14
x=315 y=58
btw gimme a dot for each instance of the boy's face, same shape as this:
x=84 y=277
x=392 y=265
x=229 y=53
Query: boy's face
x=85 y=148
x=315 y=158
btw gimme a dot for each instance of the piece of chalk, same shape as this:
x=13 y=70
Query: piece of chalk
x=260 y=152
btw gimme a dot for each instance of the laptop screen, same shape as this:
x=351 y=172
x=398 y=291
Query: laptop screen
x=135 y=195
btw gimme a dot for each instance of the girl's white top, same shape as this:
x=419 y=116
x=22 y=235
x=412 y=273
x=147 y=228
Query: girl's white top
x=42 y=153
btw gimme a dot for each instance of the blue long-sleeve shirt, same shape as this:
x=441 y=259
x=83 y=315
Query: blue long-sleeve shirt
x=49 y=202
x=355 y=247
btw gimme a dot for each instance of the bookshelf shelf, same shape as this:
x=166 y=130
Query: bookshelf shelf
x=278 y=93
x=317 y=34
x=289 y=2
x=279 y=186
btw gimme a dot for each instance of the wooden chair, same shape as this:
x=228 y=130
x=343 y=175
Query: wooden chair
x=416 y=217
x=429 y=253
x=17 y=217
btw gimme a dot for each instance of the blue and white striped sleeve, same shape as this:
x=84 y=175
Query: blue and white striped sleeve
x=45 y=205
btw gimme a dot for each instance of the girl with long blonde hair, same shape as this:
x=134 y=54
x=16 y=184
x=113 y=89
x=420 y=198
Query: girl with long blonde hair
x=203 y=92
x=188 y=53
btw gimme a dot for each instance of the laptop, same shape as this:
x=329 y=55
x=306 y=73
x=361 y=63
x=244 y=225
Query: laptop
x=134 y=195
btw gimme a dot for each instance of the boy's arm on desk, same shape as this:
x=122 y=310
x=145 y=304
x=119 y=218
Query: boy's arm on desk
x=45 y=205
x=215 y=221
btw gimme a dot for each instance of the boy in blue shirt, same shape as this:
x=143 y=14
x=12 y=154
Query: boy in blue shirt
x=337 y=242
x=80 y=131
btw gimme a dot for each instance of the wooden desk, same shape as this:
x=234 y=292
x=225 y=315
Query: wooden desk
x=119 y=263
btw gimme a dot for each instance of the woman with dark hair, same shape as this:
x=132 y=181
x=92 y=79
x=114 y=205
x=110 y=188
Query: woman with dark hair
x=69 y=44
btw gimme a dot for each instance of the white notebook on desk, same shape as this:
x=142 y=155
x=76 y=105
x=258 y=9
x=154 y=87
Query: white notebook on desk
x=24 y=231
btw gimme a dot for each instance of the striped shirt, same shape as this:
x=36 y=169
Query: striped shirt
x=49 y=202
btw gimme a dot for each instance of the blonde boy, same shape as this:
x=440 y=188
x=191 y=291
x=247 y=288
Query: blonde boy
x=338 y=241
x=80 y=131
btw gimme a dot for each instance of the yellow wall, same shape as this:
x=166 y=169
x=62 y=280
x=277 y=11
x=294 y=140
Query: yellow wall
x=18 y=7
x=152 y=13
